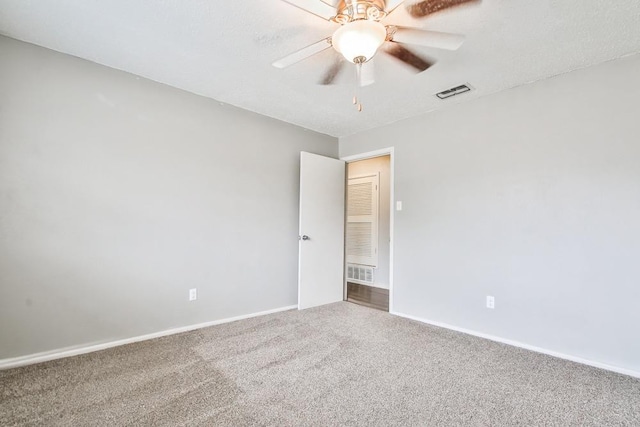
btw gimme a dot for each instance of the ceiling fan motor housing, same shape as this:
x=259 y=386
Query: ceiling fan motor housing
x=353 y=10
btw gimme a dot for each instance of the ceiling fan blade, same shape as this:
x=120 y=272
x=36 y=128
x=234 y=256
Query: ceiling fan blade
x=368 y=73
x=391 y=5
x=427 y=7
x=408 y=57
x=315 y=7
x=332 y=72
x=303 y=53
x=426 y=38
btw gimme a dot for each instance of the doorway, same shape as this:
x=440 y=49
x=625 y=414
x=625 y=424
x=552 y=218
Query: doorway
x=368 y=230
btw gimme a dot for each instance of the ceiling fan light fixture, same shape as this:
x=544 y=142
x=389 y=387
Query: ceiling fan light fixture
x=359 y=39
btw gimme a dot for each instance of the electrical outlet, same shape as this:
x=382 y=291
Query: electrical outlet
x=491 y=302
x=193 y=294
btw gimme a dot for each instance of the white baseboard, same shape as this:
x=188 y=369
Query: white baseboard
x=30 y=359
x=604 y=366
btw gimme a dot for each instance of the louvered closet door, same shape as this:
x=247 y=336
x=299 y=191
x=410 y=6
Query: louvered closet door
x=362 y=220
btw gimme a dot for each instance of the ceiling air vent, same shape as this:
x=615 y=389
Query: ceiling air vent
x=454 y=91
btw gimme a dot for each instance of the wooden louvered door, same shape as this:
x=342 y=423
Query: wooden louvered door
x=362 y=220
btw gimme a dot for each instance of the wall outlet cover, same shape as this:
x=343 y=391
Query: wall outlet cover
x=491 y=302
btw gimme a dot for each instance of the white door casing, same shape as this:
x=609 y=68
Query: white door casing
x=321 y=244
x=390 y=151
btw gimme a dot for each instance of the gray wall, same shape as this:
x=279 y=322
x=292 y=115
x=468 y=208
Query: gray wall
x=531 y=195
x=118 y=194
x=379 y=165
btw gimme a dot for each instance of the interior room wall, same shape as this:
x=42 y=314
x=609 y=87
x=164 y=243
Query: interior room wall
x=531 y=195
x=380 y=165
x=119 y=194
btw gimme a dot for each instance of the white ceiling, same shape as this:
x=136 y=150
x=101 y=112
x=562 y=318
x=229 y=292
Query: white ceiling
x=224 y=50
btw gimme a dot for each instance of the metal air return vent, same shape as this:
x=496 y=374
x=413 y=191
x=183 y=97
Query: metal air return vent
x=360 y=273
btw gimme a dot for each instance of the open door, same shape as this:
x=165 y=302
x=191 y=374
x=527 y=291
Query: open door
x=321 y=246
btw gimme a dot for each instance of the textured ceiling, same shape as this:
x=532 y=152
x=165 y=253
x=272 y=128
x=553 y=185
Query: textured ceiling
x=224 y=50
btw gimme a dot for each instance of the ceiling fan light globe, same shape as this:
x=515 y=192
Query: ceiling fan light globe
x=359 y=39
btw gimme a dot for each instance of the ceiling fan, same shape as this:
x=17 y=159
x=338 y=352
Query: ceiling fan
x=361 y=34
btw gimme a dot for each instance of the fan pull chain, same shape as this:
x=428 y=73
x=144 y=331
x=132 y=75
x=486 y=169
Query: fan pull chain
x=356 y=101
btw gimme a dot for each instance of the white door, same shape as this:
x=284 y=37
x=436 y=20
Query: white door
x=321 y=247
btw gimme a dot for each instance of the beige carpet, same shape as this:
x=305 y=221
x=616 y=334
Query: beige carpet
x=336 y=365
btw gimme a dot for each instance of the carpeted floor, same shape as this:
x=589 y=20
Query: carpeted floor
x=335 y=365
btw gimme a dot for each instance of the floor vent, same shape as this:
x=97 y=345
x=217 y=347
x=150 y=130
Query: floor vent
x=453 y=91
x=360 y=273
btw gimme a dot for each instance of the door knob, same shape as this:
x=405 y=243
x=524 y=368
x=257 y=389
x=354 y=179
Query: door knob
x=305 y=237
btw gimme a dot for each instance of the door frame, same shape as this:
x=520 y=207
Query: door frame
x=389 y=151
